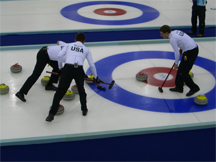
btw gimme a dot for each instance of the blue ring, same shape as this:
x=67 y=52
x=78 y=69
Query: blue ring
x=118 y=95
x=148 y=14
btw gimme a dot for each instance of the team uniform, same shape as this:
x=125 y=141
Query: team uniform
x=46 y=55
x=179 y=39
x=198 y=9
x=75 y=54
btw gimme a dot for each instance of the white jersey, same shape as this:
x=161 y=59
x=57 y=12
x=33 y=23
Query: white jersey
x=53 y=52
x=179 y=39
x=76 y=53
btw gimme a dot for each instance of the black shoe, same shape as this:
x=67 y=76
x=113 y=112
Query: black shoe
x=50 y=118
x=191 y=32
x=51 y=87
x=176 y=90
x=199 y=35
x=84 y=112
x=191 y=92
x=21 y=96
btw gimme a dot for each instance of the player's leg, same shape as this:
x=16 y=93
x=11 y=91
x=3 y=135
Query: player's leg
x=42 y=59
x=79 y=79
x=53 y=78
x=201 y=16
x=63 y=86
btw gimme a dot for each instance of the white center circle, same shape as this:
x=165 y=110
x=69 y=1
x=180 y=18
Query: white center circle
x=110 y=11
x=162 y=76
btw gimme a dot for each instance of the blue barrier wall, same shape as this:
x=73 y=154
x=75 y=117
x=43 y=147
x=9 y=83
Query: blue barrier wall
x=193 y=145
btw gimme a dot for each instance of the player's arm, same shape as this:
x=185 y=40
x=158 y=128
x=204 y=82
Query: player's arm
x=61 y=57
x=61 y=43
x=91 y=64
x=174 y=45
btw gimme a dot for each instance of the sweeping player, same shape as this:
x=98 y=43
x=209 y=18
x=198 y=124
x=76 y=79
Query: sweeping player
x=188 y=46
x=61 y=43
x=46 y=55
x=75 y=53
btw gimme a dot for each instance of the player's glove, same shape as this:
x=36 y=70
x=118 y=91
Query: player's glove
x=180 y=51
x=86 y=76
x=97 y=80
x=60 y=71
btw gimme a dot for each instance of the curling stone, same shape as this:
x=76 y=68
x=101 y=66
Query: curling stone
x=45 y=80
x=69 y=96
x=16 y=68
x=191 y=75
x=89 y=79
x=4 y=89
x=74 y=89
x=60 y=109
x=201 y=100
x=141 y=76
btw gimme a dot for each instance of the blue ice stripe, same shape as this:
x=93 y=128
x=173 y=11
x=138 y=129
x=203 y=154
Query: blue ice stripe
x=106 y=43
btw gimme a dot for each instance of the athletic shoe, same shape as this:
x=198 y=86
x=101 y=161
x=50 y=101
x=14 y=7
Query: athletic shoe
x=199 y=35
x=21 y=96
x=176 y=90
x=191 y=92
x=51 y=87
x=50 y=118
x=191 y=32
x=84 y=112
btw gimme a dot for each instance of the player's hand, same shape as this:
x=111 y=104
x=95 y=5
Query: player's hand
x=60 y=71
x=180 y=51
x=175 y=66
x=97 y=80
x=85 y=76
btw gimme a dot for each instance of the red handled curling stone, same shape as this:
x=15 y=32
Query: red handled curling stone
x=75 y=89
x=4 y=89
x=45 y=80
x=60 y=109
x=16 y=68
x=141 y=76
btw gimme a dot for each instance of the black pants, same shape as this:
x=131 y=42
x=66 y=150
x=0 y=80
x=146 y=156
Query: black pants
x=200 y=12
x=68 y=74
x=185 y=66
x=42 y=60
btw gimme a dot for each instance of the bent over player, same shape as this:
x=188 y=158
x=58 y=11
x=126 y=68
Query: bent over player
x=46 y=55
x=75 y=53
x=188 y=46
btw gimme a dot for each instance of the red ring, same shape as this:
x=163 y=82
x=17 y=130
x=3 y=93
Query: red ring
x=118 y=12
x=155 y=82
